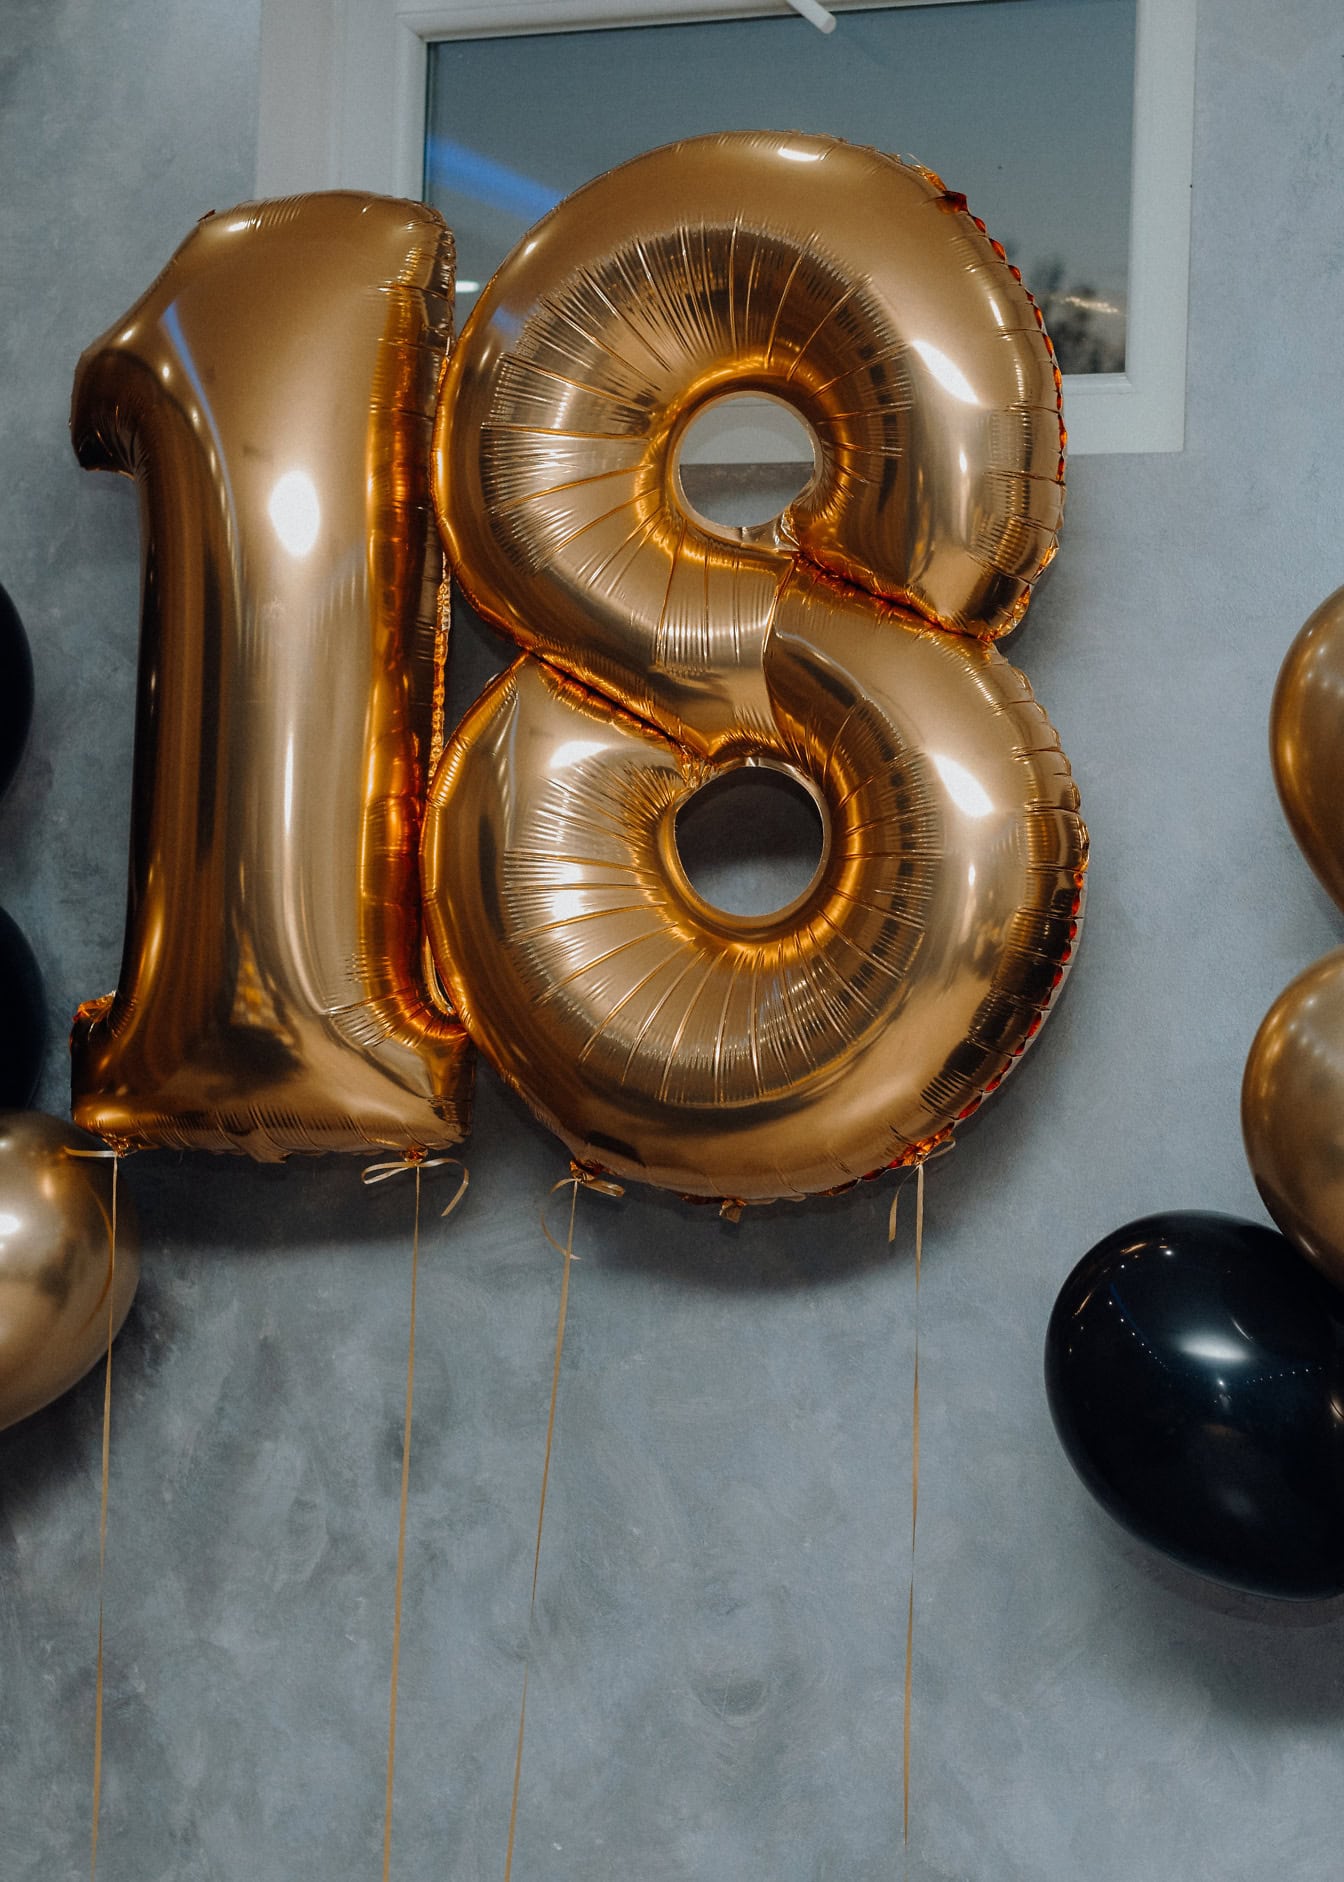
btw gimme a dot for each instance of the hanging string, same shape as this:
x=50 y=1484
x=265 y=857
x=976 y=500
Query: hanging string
x=574 y=1182
x=914 y=1499
x=115 y=1156
x=380 y=1173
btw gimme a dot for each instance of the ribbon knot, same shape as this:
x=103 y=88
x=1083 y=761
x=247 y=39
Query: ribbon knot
x=417 y=1161
x=578 y=1178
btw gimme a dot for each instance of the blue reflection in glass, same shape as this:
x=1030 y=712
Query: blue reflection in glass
x=451 y=166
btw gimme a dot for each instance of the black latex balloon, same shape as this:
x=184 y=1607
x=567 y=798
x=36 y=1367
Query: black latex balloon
x=23 y=1018
x=16 y=689
x=1195 y=1370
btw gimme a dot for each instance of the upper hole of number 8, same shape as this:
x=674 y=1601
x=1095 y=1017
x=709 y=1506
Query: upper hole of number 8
x=741 y=460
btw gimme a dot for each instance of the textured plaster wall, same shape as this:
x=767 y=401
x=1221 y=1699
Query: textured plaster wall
x=717 y=1655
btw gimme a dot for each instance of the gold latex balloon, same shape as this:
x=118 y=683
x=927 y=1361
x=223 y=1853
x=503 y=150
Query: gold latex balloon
x=55 y=1260
x=661 y=1038
x=272 y=394
x=1292 y=1113
x=1306 y=741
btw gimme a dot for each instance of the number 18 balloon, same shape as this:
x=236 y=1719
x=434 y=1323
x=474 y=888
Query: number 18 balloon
x=846 y=644
x=273 y=394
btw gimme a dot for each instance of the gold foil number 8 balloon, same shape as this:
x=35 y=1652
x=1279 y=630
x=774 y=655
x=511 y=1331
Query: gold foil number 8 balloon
x=847 y=643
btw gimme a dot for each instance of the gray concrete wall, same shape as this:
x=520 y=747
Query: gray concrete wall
x=717 y=1657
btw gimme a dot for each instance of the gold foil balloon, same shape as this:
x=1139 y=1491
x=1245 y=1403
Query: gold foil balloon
x=1292 y=1113
x=846 y=643
x=272 y=394
x=1306 y=740
x=55 y=1260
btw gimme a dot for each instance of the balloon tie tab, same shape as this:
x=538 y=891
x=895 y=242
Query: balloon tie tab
x=394 y=1166
x=592 y=1179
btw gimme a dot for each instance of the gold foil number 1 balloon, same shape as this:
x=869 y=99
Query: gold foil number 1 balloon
x=847 y=644
x=272 y=394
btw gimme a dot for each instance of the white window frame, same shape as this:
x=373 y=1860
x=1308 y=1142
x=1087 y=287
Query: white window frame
x=343 y=92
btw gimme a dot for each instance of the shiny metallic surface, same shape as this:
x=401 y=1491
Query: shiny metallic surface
x=758 y=1057
x=272 y=394
x=55 y=1267
x=1292 y=1113
x=1306 y=741
x=723 y=1055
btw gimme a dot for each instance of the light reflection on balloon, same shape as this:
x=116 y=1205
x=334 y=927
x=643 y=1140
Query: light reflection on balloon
x=295 y=511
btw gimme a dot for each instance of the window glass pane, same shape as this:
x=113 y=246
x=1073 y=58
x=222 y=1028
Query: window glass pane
x=1025 y=106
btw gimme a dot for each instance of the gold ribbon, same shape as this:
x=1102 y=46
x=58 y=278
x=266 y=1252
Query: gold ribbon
x=914 y=1496
x=379 y=1173
x=115 y=1154
x=576 y=1180
x=417 y=1160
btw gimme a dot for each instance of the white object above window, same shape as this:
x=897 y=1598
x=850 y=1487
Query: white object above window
x=1067 y=124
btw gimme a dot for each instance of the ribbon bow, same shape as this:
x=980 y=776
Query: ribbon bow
x=417 y=1160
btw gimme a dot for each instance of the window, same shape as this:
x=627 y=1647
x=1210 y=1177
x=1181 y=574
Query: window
x=1067 y=123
